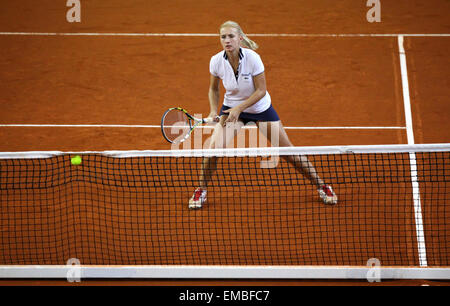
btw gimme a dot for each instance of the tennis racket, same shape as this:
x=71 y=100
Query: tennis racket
x=177 y=124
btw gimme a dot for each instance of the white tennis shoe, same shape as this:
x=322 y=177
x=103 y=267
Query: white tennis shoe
x=198 y=198
x=327 y=195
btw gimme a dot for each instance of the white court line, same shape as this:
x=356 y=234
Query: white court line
x=206 y=126
x=215 y=34
x=405 y=88
x=420 y=233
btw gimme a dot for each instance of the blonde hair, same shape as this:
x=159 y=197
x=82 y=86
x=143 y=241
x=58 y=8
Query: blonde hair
x=246 y=42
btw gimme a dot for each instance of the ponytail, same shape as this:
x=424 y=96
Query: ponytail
x=247 y=42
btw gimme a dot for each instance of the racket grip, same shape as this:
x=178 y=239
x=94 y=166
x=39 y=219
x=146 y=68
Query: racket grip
x=209 y=120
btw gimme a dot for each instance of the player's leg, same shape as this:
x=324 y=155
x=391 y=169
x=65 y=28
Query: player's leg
x=221 y=137
x=275 y=132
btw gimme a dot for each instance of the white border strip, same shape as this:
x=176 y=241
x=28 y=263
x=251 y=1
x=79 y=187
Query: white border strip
x=260 y=151
x=204 y=126
x=225 y=272
x=420 y=233
x=216 y=34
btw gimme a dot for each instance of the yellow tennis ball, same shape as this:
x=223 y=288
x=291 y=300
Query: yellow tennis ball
x=76 y=160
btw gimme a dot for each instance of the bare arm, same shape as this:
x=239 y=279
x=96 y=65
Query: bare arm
x=213 y=95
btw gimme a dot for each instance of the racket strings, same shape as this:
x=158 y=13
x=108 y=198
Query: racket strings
x=176 y=125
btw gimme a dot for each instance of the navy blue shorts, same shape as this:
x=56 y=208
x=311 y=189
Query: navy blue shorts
x=268 y=115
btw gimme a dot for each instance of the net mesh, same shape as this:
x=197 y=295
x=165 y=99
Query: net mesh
x=260 y=210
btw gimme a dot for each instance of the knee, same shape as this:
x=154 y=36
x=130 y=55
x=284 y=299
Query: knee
x=214 y=144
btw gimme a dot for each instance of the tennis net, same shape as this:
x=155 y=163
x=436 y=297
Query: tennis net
x=131 y=207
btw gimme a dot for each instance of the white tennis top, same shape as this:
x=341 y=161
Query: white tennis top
x=240 y=88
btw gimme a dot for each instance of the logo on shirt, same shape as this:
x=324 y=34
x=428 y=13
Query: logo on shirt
x=246 y=76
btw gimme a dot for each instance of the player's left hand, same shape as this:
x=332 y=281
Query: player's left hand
x=233 y=114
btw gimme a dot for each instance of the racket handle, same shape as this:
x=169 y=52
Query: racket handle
x=209 y=120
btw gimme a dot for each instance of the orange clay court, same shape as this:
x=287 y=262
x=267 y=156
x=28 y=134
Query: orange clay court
x=61 y=92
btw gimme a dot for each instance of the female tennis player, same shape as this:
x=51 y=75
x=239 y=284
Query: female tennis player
x=246 y=100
